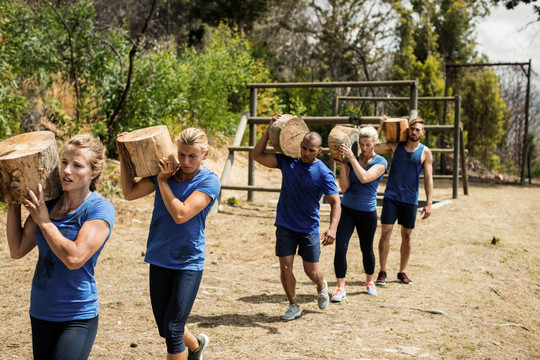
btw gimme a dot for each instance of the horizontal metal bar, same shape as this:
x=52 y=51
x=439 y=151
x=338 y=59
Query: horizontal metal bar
x=485 y=64
x=337 y=120
x=331 y=84
x=443 y=151
x=325 y=150
x=249 y=187
x=382 y=98
x=320 y=119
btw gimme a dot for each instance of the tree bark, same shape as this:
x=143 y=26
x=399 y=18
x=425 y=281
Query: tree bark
x=286 y=135
x=27 y=160
x=142 y=149
x=343 y=135
x=395 y=130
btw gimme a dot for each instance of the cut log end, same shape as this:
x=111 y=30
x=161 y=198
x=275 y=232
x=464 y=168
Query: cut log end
x=142 y=149
x=396 y=129
x=27 y=160
x=286 y=135
x=343 y=135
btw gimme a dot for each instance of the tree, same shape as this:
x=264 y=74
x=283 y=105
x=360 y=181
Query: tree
x=484 y=116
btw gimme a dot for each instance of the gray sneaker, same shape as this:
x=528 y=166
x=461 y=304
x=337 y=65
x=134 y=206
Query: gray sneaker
x=323 y=297
x=293 y=312
x=203 y=343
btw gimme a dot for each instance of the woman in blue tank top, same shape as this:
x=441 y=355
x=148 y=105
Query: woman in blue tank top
x=358 y=208
x=70 y=233
x=175 y=250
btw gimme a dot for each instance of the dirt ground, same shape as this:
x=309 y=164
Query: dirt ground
x=471 y=299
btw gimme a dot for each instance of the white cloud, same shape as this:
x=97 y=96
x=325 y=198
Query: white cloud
x=510 y=35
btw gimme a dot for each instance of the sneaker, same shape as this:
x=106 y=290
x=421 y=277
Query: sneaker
x=338 y=295
x=203 y=343
x=293 y=312
x=402 y=277
x=381 y=279
x=370 y=287
x=323 y=297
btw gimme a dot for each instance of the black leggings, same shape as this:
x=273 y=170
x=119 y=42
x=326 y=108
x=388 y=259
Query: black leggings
x=66 y=340
x=173 y=293
x=366 y=224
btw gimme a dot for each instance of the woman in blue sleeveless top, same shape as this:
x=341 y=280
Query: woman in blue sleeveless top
x=70 y=233
x=185 y=192
x=358 y=208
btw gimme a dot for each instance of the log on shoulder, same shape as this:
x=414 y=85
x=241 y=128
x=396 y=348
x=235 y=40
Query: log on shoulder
x=343 y=135
x=286 y=135
x=27 y=160
x=141 y=150
x=395 y=130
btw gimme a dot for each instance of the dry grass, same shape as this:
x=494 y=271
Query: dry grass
x=470 y=299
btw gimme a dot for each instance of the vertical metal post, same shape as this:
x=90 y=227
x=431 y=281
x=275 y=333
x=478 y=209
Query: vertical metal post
x=455 y=182
x=526 y=130
x=252 y=139
x=464 y=176
x=413 y=102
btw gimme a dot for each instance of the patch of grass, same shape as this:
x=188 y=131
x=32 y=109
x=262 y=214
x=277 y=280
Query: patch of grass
x=114 y=302
x=232 y=201
x=445 y=347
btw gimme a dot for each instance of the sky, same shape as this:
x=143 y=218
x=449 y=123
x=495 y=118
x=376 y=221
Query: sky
x=511 y=36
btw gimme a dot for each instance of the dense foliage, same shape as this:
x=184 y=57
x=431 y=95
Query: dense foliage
x=65 y=65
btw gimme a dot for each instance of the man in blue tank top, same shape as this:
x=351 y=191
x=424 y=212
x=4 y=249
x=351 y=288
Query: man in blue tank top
x=304 y=181
x=401 y=195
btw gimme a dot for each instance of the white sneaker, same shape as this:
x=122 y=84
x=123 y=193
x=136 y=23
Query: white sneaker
x=338 y=295
x=293 y=312
x=323 y=298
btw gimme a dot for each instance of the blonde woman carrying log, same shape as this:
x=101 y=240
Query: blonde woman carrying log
x=359 y=179
x=185 y=192
x=70 y=233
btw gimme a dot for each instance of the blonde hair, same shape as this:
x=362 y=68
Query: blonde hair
x=97 y=151
x=370 y=133
x=194 y=137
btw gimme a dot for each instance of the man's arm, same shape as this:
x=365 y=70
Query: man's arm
x=428 y=182
x=259 y=155
x=335 y=213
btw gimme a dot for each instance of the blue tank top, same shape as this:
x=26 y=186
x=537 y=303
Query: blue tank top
x=404 y=176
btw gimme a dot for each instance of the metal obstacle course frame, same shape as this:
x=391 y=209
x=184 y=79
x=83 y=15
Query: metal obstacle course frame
x=252 y=120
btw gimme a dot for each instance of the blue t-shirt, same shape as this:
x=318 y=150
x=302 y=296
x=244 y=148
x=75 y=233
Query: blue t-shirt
x=60 y=294
x=363 y=197
x=302 y=187
x=404 y=176
x=180 y=246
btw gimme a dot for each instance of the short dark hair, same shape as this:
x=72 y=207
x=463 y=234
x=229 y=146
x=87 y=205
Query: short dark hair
x=314 y=136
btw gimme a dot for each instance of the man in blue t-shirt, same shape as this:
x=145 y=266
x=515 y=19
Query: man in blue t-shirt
x=304 y=181
x=401 y=194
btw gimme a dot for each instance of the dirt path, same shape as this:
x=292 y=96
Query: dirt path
x=470 y=299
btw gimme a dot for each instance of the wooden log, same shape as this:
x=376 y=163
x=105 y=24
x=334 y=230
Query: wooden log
x=396 y=130
x=142 y=149
x=27 y=160
x=343 y=135
x=286 y=135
